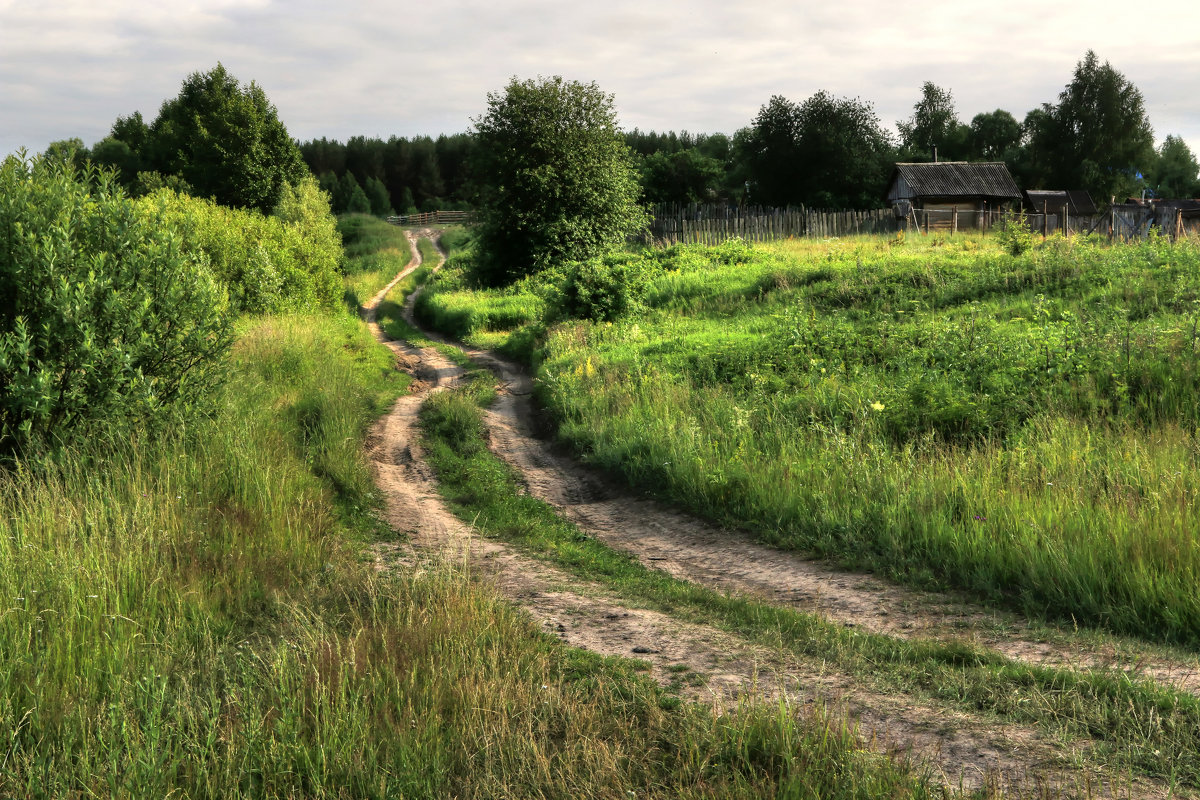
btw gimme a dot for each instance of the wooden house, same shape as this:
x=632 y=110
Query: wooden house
x=952 y=194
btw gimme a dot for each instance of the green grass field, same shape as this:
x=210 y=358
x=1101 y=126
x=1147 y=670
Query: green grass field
x=1019 y=427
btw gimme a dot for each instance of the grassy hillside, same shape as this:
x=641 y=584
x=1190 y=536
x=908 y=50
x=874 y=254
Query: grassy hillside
x=1021 y=427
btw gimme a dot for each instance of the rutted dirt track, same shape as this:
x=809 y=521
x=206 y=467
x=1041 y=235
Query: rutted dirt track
x=969 y=751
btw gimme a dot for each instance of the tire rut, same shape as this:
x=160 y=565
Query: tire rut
x=965 y=751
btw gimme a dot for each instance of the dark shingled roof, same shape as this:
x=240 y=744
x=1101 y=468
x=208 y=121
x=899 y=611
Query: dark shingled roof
x=958 y=179
x=1079 y=201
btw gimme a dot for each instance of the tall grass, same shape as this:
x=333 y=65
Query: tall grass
x=1023 y=428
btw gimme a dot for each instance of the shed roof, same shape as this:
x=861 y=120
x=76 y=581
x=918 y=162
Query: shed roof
x=958 y=179
x=1080 y=202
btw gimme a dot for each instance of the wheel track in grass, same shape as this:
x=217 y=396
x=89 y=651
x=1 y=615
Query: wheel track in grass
x=964 y=749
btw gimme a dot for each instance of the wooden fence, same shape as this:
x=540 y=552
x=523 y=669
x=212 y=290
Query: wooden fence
x=677 y=223
x=434 y=218
x=710 y=224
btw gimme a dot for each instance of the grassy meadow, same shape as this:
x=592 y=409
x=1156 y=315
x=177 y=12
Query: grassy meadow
x=195 y=613
x=1021 y=427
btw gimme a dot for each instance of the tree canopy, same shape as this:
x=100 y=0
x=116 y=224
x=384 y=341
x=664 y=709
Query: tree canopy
x=556 y=182
x=934 y=124
x=1097 y=137
x=827 y=151
x=223 y=139
x=1176 y=172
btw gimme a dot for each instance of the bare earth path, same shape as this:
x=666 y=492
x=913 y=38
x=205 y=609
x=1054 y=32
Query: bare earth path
x=971 y=751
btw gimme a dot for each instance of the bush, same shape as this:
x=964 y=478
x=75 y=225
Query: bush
x=1015 y=235
x=269 y=264
x=602 y=289
x=316 y=243
x=104 y=317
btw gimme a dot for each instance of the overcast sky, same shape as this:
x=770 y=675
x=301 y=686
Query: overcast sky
x=68 y=68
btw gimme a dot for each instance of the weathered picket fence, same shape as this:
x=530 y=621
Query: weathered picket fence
x=712 y=224
x=675 y=223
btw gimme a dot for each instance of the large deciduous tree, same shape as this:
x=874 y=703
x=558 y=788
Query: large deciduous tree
x=226 y=141
x=933 y=125
x=770 y=152
x=827 y=151
x=845 y=152
x=1097 y=137
x=994 y=136
x=556 y=182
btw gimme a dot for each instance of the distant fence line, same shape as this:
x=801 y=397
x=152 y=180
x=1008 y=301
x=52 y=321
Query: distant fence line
x=712 y=224
x=434 y=218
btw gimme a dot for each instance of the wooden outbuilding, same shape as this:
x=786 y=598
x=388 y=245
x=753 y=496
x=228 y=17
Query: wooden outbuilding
x=1052 y=201
x=949 y=195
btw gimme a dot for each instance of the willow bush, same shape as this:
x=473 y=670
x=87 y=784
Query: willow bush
x=105 y=317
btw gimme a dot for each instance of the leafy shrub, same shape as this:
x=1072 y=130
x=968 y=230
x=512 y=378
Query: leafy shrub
x=104 y=317
x=269 y=264
x=602 y=289
x=316 y=243
x=1014 y=234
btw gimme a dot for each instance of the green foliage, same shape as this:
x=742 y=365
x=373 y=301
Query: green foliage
x=685 y=176
x=149 y=182
x=1015 y=234
x=117 y=155
x=825 y=152
x=377 y=195
x=105 y=319
x=602 y=289
x=358 y=202
x=1097 y=136
x=269 y=263
x=421 y=173
x=455 y=240
x=226 y=141
x=344 y=192
x=556 y=181
x=67 y=151
x=1176 y=172
x=994 y=136
x=314 y=244
x=934 y=124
